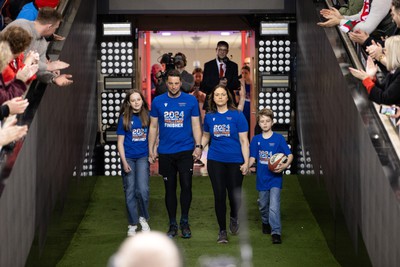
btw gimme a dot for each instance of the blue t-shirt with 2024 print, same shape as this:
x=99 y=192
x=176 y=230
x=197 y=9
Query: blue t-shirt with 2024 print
x=135 y=142
x=175 y=121
x=262 y=149
x=224 y=129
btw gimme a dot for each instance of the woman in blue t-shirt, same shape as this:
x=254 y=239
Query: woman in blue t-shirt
x=225 y=130
x=133 y=126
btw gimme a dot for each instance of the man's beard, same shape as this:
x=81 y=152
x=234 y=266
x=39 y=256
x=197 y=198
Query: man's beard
x=174 y=94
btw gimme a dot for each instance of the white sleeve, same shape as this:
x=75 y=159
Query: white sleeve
x=379 y=9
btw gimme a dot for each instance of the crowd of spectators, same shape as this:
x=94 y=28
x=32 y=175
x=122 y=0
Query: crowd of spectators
x=375 y=28
x=26 y=27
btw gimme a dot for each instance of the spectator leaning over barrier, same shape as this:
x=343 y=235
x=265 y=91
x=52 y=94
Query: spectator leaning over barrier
x=46 y=23
x=30 y=11
x=10 y=131
x=17 y=86
x=18 y=39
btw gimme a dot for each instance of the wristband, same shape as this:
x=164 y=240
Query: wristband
x=199 y=146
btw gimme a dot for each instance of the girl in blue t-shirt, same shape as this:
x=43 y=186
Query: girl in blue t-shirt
x=225 y=130
x=133 y=150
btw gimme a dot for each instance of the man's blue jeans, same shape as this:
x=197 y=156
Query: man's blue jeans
x=136 y=188
x=269 y=203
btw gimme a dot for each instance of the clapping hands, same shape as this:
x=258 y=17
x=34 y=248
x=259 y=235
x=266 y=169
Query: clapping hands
x=332 y=17
x=27 y=72
x=370 y=70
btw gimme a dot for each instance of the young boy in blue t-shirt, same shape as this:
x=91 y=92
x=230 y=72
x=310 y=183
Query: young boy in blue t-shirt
x=269 y=183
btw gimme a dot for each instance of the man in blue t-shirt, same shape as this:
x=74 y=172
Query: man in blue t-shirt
x=175 y=115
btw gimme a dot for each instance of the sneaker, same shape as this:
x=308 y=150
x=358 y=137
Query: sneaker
x=234 y=226
x=132 y=230
x=144 y=224
x=198 y=163
x=266 y=228
x=186 y=233
x=222 y=237
x=173 y=230
x=276 y=239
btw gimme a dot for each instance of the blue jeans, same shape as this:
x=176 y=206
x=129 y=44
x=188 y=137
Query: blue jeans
x=136 y=189
x=269 y=204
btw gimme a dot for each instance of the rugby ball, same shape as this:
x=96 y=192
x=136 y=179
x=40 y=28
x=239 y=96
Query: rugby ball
x=275 y=159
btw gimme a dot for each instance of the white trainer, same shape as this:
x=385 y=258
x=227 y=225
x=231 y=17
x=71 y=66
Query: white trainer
x=144 y=224
x=132 y=230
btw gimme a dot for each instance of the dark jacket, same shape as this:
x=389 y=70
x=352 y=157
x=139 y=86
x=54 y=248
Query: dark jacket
x=388 y=91
x=13 y=89
x=211 y=77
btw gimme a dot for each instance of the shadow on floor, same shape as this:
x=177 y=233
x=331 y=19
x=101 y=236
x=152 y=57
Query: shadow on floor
x=332 y=224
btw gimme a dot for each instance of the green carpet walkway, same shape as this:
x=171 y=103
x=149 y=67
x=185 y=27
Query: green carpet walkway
x=104 y=226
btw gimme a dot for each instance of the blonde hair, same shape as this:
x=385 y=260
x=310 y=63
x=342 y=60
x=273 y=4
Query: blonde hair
x=5 y=54
x=392 y=52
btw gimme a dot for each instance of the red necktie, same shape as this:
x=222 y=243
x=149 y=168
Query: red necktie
x=221 y=70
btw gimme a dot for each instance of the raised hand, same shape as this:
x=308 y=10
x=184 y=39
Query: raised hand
x=17 y=105
x=371 y=68
x=27 y=72
x=375 y=50
x=57 y=65
x=63 y=80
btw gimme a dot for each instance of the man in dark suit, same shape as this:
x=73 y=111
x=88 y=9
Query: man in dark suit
x=220 y=71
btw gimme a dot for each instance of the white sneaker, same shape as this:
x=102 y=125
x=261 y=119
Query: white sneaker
x=144 y=224
x=132 y=230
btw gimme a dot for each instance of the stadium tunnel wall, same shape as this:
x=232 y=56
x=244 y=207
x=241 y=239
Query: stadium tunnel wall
x=62 y=130
x=332 y=129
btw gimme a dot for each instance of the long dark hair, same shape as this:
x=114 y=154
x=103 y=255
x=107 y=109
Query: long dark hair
x=127 y=111
x=211 y=103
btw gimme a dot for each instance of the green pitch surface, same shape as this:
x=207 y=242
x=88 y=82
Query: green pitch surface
x=104 y=227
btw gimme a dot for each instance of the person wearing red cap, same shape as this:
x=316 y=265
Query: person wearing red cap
x=30 y=10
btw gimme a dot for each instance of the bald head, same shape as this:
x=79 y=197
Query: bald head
x=148 y=249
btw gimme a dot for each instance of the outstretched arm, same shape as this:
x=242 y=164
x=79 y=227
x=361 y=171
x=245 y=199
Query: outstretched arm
x=121 y=151
x=196 y=128
x=244 y=144
x=153 y=131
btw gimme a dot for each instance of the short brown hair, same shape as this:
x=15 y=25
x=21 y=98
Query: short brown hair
x=265 y=112
x=245 y=67
x=396 y=4
x=223 y=43
x=48 y=15
x=18 y=39
x=197 y=70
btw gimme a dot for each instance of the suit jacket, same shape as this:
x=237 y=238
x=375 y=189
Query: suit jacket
x=211 y=77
